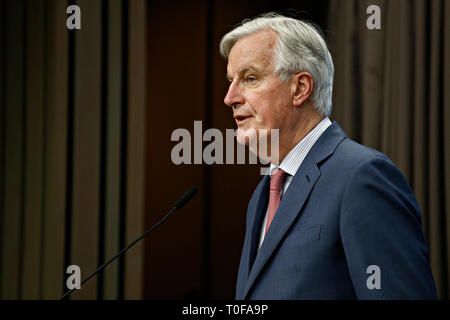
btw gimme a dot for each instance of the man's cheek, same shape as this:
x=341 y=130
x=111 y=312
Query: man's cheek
x=259 y=118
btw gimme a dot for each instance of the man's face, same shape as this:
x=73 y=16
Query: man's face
x=260 y=100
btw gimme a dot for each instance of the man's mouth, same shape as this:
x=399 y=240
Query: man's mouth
x=241 y=118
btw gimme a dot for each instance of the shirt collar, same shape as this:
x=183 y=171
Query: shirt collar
x=295 y=157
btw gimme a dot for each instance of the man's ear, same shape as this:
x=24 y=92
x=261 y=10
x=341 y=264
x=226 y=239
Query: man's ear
x=303 y=85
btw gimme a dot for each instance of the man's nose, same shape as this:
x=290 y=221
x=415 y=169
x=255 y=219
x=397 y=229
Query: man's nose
x=234 y=96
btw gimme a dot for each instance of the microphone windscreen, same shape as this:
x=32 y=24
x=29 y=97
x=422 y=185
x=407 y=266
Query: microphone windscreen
x=188 y=195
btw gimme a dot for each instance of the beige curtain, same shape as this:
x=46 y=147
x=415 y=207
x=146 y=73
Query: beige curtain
x=392 y=93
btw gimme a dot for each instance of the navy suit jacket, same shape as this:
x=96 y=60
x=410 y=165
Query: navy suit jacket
x=348 y=207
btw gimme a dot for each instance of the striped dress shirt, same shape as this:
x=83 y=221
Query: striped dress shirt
x=293 y=160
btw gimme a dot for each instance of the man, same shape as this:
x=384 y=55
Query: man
x=335 y=219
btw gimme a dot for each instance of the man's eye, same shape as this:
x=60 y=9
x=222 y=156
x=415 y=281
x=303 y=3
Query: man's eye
x=251 y=79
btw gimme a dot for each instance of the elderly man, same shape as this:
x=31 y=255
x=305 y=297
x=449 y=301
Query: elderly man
x=335 y=219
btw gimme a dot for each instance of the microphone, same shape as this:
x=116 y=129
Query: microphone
x=188 y=195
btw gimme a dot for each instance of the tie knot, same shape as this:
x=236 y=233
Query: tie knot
x=277 y=179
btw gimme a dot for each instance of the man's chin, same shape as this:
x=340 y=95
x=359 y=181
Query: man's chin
x=246 y=136
x=260 y=143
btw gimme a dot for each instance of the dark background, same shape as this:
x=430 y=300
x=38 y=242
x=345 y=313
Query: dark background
x=87 y=116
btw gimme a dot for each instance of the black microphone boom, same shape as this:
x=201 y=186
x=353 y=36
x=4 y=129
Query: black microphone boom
x=188 y=195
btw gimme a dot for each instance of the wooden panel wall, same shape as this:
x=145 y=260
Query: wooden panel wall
x=72 y=156
x=86 y=145
x=136 y=147
x=113 y=130
x=14 y=114
x=2 y=125
x=176 y=97
x=56 y=133
x=34 y=149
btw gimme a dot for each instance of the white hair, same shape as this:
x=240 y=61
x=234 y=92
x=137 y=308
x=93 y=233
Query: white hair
x=299 y=48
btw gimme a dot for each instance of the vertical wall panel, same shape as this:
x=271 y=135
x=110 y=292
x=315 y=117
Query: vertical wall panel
x=2 y=125
x=113 y=148
x=435 y=168
x=419 y=111
x=343 y=52
x=403 y=126
x=135 y=148
x=86 y=146
x=446 y=134
x=14 y=139
x=371 y=84
x=176 y=97
x=55 y=151
x=34 y=150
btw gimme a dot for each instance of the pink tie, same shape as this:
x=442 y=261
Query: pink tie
x=276 y=189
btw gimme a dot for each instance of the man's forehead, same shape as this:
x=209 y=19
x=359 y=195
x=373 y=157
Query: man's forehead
x=264 y=39
x=252 y=52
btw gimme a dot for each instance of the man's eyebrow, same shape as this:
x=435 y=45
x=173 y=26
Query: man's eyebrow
x=247 y=69
x=241 y=72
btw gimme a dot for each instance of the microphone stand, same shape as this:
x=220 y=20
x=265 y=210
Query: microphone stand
x=178 y=205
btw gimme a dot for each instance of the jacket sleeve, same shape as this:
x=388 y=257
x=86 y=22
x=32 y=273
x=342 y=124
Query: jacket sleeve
x=382 y=237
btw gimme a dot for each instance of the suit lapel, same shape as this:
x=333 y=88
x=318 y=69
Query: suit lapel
x=288 y=210
x=258 y=216
x=255 y=214
x=292 y=202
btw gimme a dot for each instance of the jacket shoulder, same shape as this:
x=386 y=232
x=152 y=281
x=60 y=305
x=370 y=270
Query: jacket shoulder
x=353 y=154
